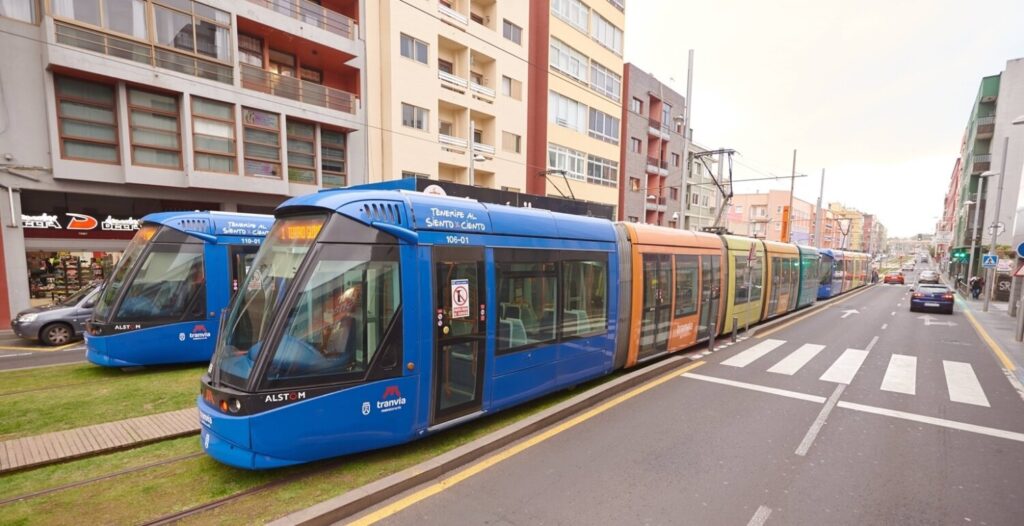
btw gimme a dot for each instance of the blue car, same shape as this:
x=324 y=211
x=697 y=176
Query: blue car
x=932 y=297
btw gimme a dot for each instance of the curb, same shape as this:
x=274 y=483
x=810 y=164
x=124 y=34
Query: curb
x=362 y=498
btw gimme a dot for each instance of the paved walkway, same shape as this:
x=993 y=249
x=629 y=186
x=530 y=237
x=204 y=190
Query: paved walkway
x=59 y=446
x=1000 y=327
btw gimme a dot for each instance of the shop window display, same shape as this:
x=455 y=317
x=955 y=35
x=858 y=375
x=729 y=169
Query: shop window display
x=54 y=276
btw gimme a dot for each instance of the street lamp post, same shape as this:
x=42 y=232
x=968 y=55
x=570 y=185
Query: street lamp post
x=977 y=219
x=989 y=285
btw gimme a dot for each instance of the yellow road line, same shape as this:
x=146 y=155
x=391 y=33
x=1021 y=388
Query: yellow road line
x=438 y=487
x=40 y=349
x=998 y=351
x=769 y=332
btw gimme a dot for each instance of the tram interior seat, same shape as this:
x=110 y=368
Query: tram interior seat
x=512 y=332
x=577 y=322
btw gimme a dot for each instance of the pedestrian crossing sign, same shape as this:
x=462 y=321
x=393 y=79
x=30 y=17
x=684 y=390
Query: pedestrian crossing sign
x=989 y=261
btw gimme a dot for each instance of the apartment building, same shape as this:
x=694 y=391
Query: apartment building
x=112 y=110
x=761 y=215
x=448 y=79
x=576 y=47
x=653 y=168
x=848 y=227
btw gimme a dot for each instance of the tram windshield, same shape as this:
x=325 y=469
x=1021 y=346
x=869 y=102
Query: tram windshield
x=113 y=285
x=253 y=310
x=169 y=286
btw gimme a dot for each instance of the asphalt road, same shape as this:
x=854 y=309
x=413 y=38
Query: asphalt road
x=862 y=413
x=17 y=353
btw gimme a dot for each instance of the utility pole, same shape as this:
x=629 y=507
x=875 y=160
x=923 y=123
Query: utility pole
x=974 y=232
x=789 y=214
x=472 y=151
x=817 y=217
x=989 y=285
x=718 y=195
x=687 y=165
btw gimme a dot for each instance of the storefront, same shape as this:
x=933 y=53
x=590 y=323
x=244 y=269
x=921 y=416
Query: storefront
x=74 y=240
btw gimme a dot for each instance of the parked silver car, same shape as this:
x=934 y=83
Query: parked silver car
x=59 y=323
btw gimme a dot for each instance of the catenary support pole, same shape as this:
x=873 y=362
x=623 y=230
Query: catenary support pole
x=818 y=214
x=990 y=280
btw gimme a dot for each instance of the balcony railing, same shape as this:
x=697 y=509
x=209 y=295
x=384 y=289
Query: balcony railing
x=311 y=13
x=452 y=79
x=483 y=148
x=295 y=89
x=984 y=127
x=453 y=14
x=483 y=90
x=654 y=127
x=981 y=163
x=453 y=144
x=142 y=53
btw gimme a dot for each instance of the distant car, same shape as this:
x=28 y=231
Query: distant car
x=928 y=276
x=893 y=277
x=59 y=323
x=932 y=297
x=908 y=267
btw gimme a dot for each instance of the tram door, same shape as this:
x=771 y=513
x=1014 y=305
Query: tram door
x=710 y=293
x=657 y=305
x=459 y=331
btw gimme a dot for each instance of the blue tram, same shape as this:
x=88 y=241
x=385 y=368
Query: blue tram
x=163 y=301
x=841 y=271
x=373 y=317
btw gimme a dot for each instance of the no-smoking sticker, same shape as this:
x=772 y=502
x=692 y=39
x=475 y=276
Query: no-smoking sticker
x=460 y=298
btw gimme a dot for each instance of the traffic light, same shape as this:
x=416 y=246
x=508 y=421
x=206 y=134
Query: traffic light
x=959 y=255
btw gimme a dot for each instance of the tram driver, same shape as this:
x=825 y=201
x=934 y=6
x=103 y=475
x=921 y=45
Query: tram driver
x=339 y=336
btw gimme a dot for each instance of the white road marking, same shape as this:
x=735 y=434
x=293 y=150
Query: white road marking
x=871 y=345
x=901 y=375
x=755 y=387
x=885 y=326
x=941 y=422
x=845 y=367
x=796 y=359
x=760 y=516
x=899 y=304
x=812 y=433
x=963 y=384
x=893 y=313
x=745 y=357
x=17 y=354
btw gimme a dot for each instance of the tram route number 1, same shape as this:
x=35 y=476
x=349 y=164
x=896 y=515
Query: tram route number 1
x=460 y=298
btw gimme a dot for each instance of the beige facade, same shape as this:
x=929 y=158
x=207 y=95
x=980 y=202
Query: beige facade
x=436 y=70
x=849 y=226
x=578 y=59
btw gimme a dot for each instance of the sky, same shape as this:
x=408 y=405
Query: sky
x=876 y=92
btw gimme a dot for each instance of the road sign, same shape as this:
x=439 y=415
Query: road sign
x=460 y=298
x=1020 y=250
x=989 y=261
x=1004 y=266
x=1020 y=272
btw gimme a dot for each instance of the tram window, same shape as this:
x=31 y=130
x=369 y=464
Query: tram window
x=739 y=281
x=687 y=275
x=170 y=285
x=242 y=257
x=338 y=322
x=527 y=295
x=756 y=279
x=584 y=307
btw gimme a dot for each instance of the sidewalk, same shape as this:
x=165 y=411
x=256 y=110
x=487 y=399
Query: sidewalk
x=1000 y=327
x=59 y=446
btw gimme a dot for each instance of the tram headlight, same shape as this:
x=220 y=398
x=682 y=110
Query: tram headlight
x=234 y=405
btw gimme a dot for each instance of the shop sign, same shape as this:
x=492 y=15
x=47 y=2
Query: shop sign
x=78 y=222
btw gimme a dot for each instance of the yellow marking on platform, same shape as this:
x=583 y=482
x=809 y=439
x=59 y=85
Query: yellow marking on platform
x=998 y=351
x=438 y=487
x=41 y=349
x=769 y=332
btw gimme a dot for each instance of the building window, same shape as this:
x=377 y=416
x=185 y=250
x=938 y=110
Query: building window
x=574 y=12
x=301 y=152
x=605 y=81
x=510 y=189
x=155 y=130
x=192 y=26
x=567 y=112
x=311 y=75
x=605 y=33
x=666 y=114
x=694 y=199
x=512 y=32
x=604 y=126
x=602 y=171
x=445 y=66
x=413 y=48
x=676 y=159
x=634 y=219
x=250 y=50
x=571 y=161
x=414 y=175
x=738 y=209
x=511 y=87
x=479 y=19
x=213 y=135
x=569 y=61
x=24 y=10
x=673 y=194
x=414 y=116
x=511 y=142
x=679 y=126
x=333 y=173
x=262 y=137
x=635 y=145
x=634 y=184
x=636 y=106
x=87 y=120
x=127 y=17
x=282 y=63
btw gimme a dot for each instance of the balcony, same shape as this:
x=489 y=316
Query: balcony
x=654 y=128
x=451 y=15
x=656 y=205
x=483 y=148
x=452 y=82
x=663 y=168
x=313 y=14
x=652 y=165
x=665 y=131
x=482 y=92
x=984 y=127
x=453 y=144
x=981 y=163
x=292 y=88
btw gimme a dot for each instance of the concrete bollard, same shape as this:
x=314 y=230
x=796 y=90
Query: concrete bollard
x=735 y=327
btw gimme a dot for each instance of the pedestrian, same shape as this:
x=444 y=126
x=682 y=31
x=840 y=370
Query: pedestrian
x=976 y=286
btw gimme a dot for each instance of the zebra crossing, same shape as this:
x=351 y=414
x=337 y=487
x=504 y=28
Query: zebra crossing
x=900 y=375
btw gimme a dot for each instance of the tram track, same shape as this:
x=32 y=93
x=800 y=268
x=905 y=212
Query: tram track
x=93 y=480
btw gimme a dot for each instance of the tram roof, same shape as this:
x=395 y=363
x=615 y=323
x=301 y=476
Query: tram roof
x=424 y=212
x=659 y=235
x=214 y=223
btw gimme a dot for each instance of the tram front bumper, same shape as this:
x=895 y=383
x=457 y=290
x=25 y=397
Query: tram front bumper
x=226 y=439
x=96 y=353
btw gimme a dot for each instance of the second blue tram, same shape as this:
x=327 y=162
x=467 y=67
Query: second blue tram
x=162 y=304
